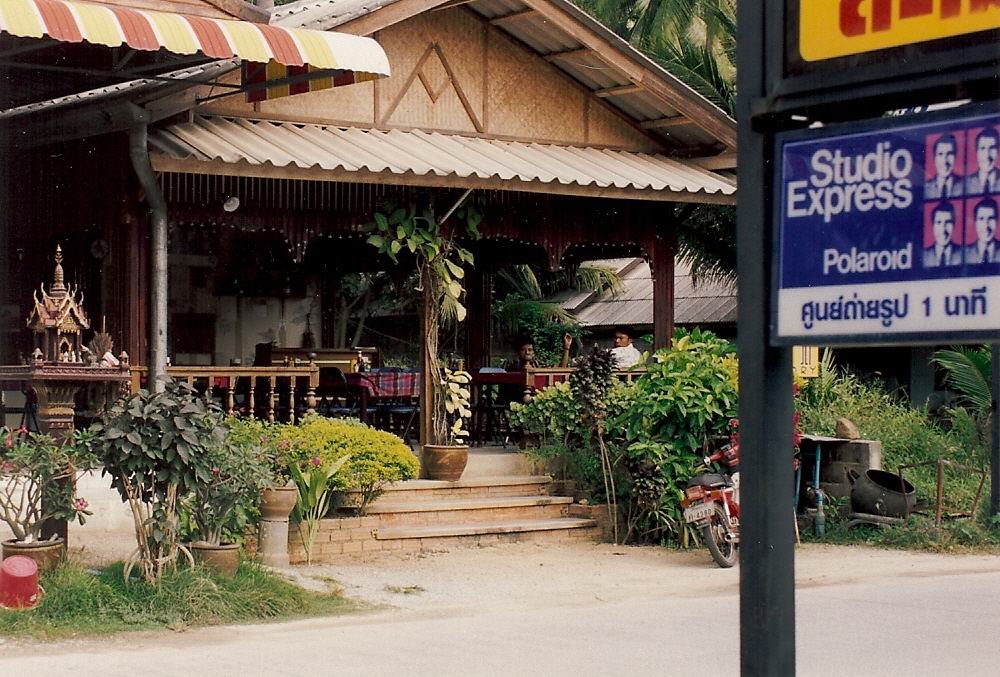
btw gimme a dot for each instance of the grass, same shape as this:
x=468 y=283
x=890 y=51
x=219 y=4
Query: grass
x=79 y=603
x=966 y=536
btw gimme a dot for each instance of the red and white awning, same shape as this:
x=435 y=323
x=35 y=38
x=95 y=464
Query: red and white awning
x=114 y=26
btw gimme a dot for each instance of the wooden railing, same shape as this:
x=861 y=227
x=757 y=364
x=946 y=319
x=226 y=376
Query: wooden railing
x=541 y=378
x=267 y=391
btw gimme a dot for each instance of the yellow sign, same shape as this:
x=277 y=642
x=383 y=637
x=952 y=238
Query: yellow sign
x=805 y=361
x=832 y=28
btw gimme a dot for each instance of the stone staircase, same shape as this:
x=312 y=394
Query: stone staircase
x=432 y=515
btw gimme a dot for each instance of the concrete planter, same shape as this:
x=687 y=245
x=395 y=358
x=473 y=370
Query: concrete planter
x=223 y=559
x=46 y=554
x=442 y=462
x=277 y=504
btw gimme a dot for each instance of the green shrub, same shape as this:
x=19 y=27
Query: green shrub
x=656 y=431
x=376 y=457
x=687 y=396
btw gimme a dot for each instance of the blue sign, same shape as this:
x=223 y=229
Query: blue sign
x=889 y=231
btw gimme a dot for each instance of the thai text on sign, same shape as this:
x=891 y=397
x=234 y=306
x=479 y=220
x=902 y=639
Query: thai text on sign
x=833 y=28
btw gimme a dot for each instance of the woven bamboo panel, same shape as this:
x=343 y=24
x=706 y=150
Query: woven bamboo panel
x=606 y=128
x=529 y=99
x=430 y=46
x=354 y=103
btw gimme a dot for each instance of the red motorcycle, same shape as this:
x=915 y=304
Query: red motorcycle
x=712 y=503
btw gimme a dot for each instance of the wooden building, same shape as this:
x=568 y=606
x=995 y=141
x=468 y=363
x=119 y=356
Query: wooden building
x=577 y=146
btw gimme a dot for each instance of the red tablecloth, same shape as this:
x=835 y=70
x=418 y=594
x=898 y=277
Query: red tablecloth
x=387 y=384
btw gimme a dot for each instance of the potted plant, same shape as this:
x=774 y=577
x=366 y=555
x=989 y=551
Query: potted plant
x=37 y=484
x=228 y=482
x=277 y=498
x=447 y=461
x=439 y=260
x=150 y=445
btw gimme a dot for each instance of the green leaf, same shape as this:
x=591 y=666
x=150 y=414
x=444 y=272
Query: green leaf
x=455 y=269
x=376 y=241
x=394 y=247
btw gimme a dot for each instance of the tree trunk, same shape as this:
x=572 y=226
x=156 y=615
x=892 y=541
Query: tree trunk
x=434 y=423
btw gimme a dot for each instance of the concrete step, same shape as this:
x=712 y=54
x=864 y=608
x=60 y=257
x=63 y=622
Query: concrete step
x=437 y=490
x=416 y=513
x=485 y=528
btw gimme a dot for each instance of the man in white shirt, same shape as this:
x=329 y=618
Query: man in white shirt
x=946 y=183
x=984 y=249
x=626 y=355
x=986 y=179
x=943 y=252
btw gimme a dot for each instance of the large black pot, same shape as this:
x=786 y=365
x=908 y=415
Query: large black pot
x=880 y=493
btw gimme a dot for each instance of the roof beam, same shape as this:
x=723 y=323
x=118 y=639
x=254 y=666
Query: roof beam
x=667 y=123
x=513 y=16
x=716 y=162
x=568 y=54
x=617 y=91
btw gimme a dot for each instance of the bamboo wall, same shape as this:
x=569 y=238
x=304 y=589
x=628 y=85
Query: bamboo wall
x=453 y=72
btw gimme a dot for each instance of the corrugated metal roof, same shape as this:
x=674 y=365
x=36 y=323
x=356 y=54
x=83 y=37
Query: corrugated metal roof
x=673 y=112
x=282 y=144
x=707 y=302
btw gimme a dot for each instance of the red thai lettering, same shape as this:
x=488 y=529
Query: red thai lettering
x=881 y=15
x=983 y=5
x=851 y=21
x=911 y=8
x=950 y=8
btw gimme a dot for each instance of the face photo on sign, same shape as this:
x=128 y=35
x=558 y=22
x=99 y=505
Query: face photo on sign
x=982 y=170
x=981 y=243
x=944 y=161
x=943 y=233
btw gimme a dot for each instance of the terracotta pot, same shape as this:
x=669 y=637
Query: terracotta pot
x=223 y=559
x=441 y=462
x=46 y=554
x=277 y=504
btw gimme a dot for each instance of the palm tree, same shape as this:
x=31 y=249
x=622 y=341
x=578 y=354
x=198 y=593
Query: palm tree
x=969 y=372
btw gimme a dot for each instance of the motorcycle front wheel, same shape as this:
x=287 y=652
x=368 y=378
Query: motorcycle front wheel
x=724 y=550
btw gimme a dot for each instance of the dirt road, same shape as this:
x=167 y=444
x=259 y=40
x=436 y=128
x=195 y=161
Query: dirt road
x=532 y=610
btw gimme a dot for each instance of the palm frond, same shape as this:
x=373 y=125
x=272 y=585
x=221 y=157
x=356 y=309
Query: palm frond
x=522 y=281
x=968 y=371
x=507 y=316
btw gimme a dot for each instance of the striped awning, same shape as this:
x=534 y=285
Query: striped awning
x=114 y=26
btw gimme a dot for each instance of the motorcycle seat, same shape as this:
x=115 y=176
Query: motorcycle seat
x=708 y=480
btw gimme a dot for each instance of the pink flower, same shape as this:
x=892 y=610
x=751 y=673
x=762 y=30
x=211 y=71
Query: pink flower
x=8 y=467
x=80 y=504
x=316 y=461
x=23 y=430
x=216 y=470
x=9 y=442
x=284 y=444
x=263 y=439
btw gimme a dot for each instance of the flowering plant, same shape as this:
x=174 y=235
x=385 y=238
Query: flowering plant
x=229 y=479
x=38 y=480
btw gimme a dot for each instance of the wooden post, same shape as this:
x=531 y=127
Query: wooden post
x=426 y=379
x=662 y=269
x=479 y=294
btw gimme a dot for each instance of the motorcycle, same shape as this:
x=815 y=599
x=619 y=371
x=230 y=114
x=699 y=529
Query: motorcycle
x=712 y=503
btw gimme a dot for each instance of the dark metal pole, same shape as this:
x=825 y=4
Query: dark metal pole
x=767 y=586
x=995 y=451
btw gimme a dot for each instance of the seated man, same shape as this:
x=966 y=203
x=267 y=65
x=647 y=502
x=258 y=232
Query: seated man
x=626 y=355
x=524 y=351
